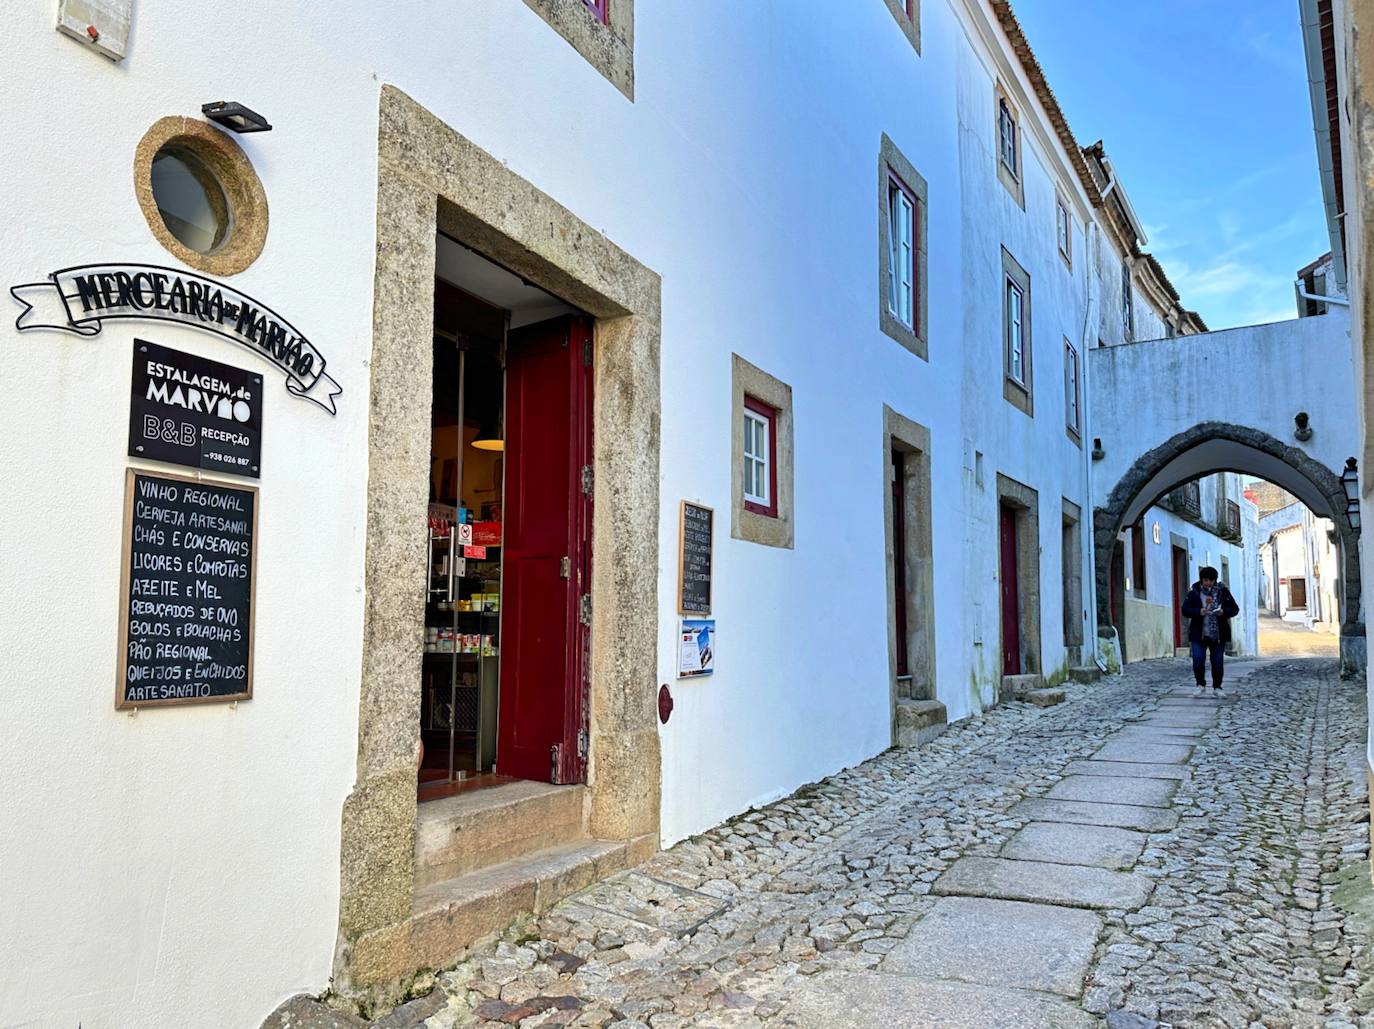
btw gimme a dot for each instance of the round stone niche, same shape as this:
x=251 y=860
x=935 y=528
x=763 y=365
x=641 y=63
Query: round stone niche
x=200 y=195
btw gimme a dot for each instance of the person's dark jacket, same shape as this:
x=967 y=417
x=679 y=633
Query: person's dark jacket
x=1192 y=610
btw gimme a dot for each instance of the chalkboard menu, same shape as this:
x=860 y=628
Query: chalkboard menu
x=694 y=559
x=186 y=619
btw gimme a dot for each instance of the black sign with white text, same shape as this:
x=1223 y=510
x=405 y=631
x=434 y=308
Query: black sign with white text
x=191 y=411
x=187 y=613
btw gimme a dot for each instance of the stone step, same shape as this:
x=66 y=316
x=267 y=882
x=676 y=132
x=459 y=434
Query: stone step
x=1014 y=687
x=1085 y=673
x=1043 y=882
x=1046 y=697
x=472 y=830
x=920 y=721
x=448 y=917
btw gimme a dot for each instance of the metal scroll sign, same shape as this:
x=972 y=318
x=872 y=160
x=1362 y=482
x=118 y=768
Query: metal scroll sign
x=79 y=299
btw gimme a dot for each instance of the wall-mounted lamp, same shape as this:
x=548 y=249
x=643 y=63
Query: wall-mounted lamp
x=235 y=117
x=1098 y=452
x=1350 y=481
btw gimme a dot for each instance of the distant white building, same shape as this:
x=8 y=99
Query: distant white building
x=1298 y=568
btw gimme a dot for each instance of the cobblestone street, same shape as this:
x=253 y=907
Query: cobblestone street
x=1136 y=854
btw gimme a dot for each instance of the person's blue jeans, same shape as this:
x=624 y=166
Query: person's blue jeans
x=1201 y=651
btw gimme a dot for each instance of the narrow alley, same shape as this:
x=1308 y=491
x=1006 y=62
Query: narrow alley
x=1136 y=853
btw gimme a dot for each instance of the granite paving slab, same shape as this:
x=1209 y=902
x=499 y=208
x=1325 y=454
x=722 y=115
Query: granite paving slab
x=1158 y=734
x=1134 y=750
x=1180 y=720
x=1066 y=843
x=1082 y=812
x=1043 y=882
x=1000 y=943
x=652 y=902
x=1128 y=769
x=1145 y=791
x=850 y=1000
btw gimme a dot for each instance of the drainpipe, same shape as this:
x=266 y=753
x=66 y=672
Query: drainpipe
x=1312 y=296
x=1086 y=340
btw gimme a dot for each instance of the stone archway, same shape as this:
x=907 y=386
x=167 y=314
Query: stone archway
x=1216 y=447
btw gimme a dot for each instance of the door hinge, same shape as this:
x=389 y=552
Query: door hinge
x=587 y=479
x=553 y=762
x=587 y=352
x=584 y=609
x=565 y=567
x=582 y=744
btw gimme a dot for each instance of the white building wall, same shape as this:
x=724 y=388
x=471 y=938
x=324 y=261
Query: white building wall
x=143 y=850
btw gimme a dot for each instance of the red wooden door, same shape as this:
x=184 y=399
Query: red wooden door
x=546 y=553
x=1011 y=600
x=1180 y=591
x=899 y=558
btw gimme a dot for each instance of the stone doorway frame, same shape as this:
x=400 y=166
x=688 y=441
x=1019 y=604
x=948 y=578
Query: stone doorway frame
x=432 y=180
x=1108 y=519
x=913 y=440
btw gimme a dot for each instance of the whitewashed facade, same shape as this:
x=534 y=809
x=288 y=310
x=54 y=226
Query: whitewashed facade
x=143 y=850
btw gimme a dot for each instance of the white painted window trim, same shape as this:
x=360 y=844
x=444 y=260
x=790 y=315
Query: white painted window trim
x=1016 y=331
x=1073 y=409
x=757 y=460
x=901 y=218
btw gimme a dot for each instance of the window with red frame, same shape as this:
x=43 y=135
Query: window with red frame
x=600 y=8
x=760 y=458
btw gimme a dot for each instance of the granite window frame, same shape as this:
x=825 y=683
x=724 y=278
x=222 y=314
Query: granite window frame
x=1020 y=393
x=606 y=39
x=907 y=14
x=775 y=527
x=1012 y=175
x=894 y=166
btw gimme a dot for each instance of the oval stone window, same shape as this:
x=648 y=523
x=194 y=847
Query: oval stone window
x=190 y=199
x=200 y=195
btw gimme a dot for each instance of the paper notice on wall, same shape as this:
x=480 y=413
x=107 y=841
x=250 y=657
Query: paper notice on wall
x=696 y=648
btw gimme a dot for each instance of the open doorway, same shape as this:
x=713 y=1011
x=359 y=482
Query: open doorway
x=1298 y=572
x=503 y=691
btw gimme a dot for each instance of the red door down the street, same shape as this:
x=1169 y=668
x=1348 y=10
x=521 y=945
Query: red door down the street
x=546 y=555
x=1180 y=591
x=1011 y=601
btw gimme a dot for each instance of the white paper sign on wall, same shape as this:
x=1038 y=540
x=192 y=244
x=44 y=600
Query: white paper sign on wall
x=103 y=25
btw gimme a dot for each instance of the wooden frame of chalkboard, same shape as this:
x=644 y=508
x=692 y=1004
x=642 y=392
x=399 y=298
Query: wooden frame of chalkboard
x=121 y=657
x=682 y=553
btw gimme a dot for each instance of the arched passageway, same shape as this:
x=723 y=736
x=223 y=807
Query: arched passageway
x=1221 y=447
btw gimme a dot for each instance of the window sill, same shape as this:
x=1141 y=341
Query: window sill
x=1073 y=434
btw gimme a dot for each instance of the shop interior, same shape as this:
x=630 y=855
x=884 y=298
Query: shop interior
x=481 y=315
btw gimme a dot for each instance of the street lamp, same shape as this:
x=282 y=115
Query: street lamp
x=1350 y=481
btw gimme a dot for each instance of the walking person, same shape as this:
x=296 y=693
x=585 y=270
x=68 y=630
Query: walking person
x=1209 y=607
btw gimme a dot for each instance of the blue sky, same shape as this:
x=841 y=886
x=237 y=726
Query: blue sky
x=1204 y=111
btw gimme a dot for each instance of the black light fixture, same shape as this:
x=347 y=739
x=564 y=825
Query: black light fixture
x=1350 y=481
x=234 y=116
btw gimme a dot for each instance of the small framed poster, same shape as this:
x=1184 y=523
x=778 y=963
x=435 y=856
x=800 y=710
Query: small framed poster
x=696 y=649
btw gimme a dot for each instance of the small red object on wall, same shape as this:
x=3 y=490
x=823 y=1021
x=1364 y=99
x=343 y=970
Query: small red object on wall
x=487 y=534
x=665 y=703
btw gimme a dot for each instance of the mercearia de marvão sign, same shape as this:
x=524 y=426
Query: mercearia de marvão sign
x=79 y=299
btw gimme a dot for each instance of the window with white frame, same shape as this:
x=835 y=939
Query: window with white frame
x=1071 y=402
x=901 y=263
x=1016 y=331
x=1006 y=136
x=760 y=467
x=1064 y=230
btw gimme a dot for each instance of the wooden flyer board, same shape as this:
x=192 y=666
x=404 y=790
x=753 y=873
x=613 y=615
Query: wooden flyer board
x=696 y=531
x=188 y=574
